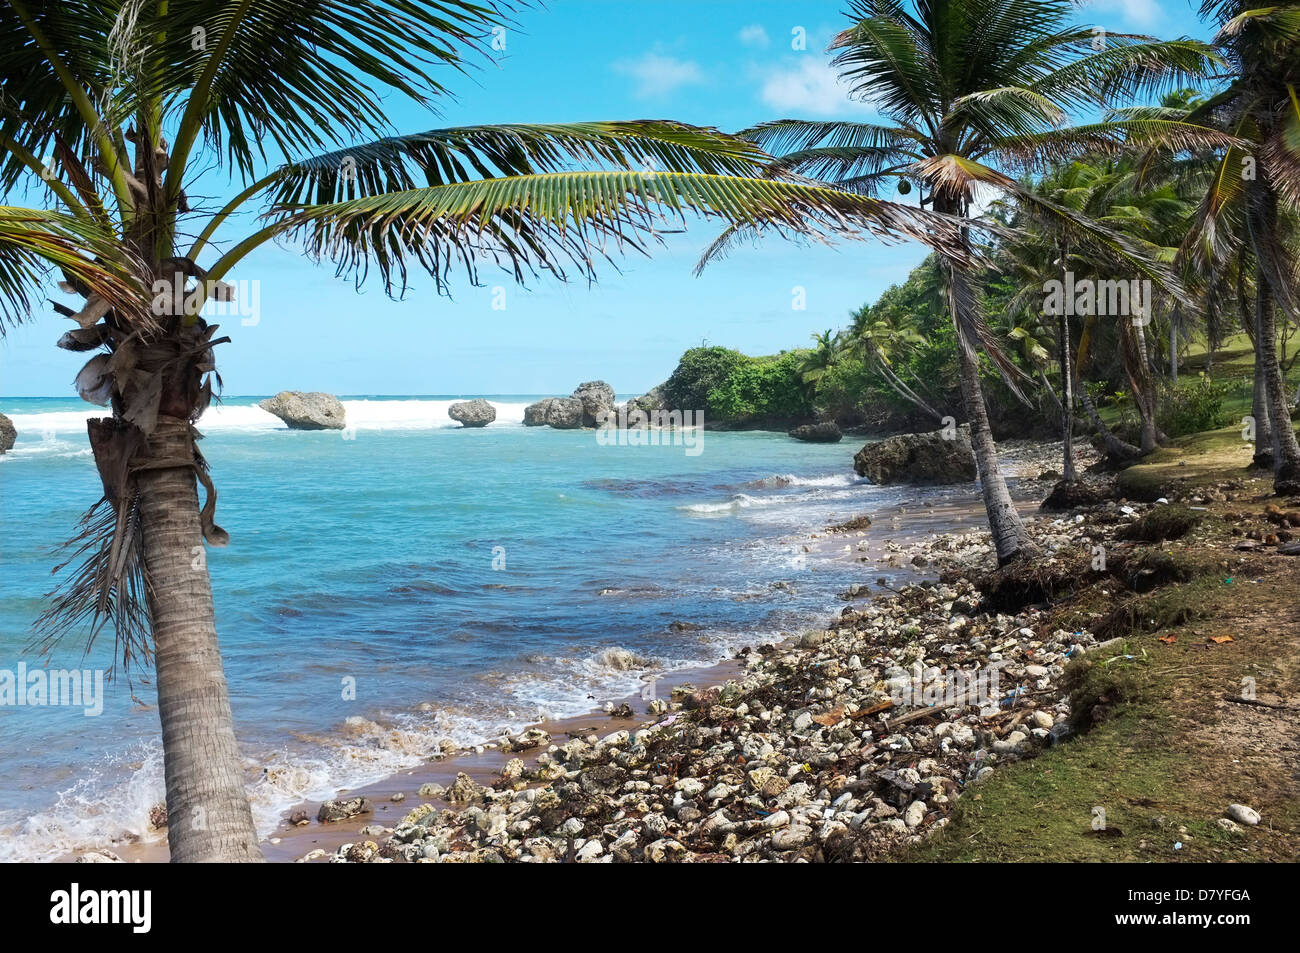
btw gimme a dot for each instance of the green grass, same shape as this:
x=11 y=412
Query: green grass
x=1234 y=364
x=1206 y=457
x=1042 y=810
x=1160 y=761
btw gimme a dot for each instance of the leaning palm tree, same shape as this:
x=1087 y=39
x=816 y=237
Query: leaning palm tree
x=882 y=339
x=1255 y=188
x=971 y=89
x=113 y=108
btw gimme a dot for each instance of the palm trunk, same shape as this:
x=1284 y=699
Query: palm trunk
x=1009 y=536
x=1115 y=447
x=1144 y=396
x=1259 y=410
x=207 y=809
x=901 y=388
x=1051 y=392
x=1263 y=456
x=1173 y=345
x=1285 y=449
x=1263 y=219
x=1067 y=395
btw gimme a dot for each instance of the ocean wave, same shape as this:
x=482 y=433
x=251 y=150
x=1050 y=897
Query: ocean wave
x=414 y=414
x=784 y=480
x=738 y=502
x=98 y=810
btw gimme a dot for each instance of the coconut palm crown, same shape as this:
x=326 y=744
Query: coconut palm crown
x=971 y=93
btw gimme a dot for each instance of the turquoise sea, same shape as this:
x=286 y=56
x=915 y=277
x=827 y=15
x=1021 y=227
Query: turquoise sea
x=466 y=579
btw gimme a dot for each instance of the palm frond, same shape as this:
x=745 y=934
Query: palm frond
x=529 y=224
x=34 y=243
x=465 y=153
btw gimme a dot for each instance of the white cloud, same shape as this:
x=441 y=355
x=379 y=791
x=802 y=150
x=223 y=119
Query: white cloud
x=658 y=75
x=811 y=87
x=1143 y=13
x=754 y=35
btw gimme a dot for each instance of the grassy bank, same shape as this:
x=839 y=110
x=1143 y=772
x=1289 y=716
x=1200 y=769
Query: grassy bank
x=1168 y=751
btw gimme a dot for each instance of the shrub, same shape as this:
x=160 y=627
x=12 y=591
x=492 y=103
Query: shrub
x=700 y=370
x=1095 y=688
x=762 y=387
x=1192 y=407
x=1162 y=523
x=847 y=388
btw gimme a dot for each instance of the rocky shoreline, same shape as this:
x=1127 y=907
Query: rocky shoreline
x=844 y=744
x=824 y=749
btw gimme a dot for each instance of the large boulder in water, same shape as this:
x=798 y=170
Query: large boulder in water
x=944 y=456
x=826 y=432
x=563 y=413
x=306 y=411
x=8 y=433
x=652 y=400
x=472 y=413
x=597 y=401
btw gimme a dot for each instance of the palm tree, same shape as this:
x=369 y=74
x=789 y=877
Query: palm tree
x=883 y=337
x=815 y=363
x=131 y=101
x=1255 y=189
x=970 y=88
x=1153 y=213
x=1035 y=249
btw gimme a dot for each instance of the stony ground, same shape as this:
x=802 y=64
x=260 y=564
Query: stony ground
x=844 y=746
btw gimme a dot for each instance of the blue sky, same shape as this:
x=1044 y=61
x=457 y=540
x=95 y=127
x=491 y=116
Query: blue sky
x=725 y=63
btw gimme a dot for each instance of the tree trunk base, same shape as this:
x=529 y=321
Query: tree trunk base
x=1287 y=483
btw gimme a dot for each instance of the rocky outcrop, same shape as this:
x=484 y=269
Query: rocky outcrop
x=562 y=413
x=597 y=401
x=941 y=457
x=8 y=433
x=306 y=411
x=653 y=399
x=343 y=808
x=590 y=405
x=826 y=432
x=472 y=413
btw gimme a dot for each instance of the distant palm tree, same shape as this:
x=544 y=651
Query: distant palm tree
x=970 y=88
x=817 y=362
x=883 y=339
x=112 y=109
x=1255 y=191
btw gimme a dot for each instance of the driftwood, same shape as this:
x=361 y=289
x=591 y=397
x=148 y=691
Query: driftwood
x=1251 y=701
x=873 y=710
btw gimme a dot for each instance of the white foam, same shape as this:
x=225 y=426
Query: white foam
x=833 y=480
x=414 y=414
x=94 y=812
